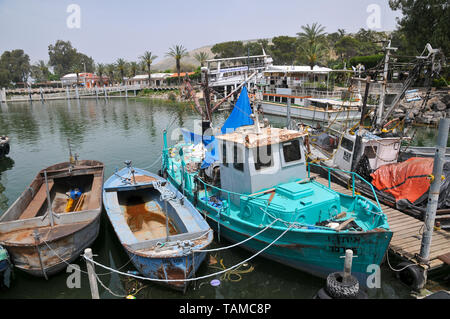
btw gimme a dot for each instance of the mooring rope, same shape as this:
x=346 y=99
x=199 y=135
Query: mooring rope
x=188 y=279
x=82 y=271
x=236 y=244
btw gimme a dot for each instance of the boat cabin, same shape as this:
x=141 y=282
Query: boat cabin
x=251 y=161
x=379 y=150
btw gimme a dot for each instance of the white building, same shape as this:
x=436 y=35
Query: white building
x=156 y=79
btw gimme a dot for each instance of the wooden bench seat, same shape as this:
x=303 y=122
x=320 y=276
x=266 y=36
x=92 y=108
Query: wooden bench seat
x=37 y=201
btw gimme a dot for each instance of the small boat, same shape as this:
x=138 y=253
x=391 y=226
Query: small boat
x=4 y=146
x=157 y=226
x=55 y=218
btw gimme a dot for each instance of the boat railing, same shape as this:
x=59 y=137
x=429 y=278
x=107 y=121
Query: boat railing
x=353 y=175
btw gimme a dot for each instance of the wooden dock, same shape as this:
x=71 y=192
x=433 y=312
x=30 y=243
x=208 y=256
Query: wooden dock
x=407 y=230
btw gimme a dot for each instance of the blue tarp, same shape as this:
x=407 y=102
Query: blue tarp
x=240 y=115
x=210 y=143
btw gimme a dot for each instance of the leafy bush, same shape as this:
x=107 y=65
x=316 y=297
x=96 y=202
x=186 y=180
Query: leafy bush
x=369 y=61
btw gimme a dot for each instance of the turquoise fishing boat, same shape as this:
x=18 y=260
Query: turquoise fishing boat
x=252 y=183
x=158 y=228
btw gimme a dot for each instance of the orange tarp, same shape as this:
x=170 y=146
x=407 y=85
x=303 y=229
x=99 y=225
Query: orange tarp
x=407 y=180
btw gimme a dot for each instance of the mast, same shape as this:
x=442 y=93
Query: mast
x=384 y=83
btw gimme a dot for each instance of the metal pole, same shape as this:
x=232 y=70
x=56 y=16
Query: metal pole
x=433 y=195
x=49 y=203
x=91 y=273
x=288 y=124
x=36 y=243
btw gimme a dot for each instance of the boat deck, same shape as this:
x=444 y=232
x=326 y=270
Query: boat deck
x=407 y=237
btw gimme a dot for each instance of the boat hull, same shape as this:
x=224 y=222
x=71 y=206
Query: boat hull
x=62 y=251
x=314 y=253
x=309 y=113
x=175 y=268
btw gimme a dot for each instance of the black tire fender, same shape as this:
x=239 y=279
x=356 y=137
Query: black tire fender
x=337 y=289
x=412 y=276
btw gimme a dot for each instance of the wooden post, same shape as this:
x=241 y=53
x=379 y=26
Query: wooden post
x=91 y=273
x=348 y=265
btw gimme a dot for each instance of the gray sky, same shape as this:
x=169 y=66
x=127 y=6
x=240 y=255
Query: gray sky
x=125 y=29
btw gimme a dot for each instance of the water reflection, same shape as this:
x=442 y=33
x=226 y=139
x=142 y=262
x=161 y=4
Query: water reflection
x=6 y=163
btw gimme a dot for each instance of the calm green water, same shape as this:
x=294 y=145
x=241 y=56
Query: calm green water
x=112 y=132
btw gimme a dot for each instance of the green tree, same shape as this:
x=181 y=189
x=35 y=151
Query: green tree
x=14 y=67
x=40 y=71
x=201 y=57
x=100 y=71
x=347 y=47
x=284 y=50
x=63 y=57
x=121 y=67
x=229 y=49
x=134 y=67
x=312 y=43
x=177 y=52
x=422 y=22
x=110 y=69
x=147 y=60
x=76 y=68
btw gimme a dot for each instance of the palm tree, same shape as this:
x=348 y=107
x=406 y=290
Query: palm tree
x=312 y=39
x=100 y=71
x=121 y=65
x=110 y=68
x=147 y=60
x=313 y=53
x=77 y=69
x=201 y=57
x=133 y=69
x=177 y=52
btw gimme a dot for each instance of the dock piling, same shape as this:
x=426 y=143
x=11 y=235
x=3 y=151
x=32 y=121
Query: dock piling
x=91 y=273
x=433 y=195
x=348 y=265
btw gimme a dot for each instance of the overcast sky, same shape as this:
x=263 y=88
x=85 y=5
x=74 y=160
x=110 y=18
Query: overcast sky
x=125 y=29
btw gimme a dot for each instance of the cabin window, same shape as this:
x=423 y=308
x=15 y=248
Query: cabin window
x=263 y=157
x=371 y=151
x=347 y=144
x=224 y=154
x=238 y=162
x=291 y=151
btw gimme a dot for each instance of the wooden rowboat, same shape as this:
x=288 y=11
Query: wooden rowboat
x=157 y=226
x=43 y=241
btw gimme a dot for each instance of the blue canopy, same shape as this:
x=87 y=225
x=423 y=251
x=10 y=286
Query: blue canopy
x=240 y=115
